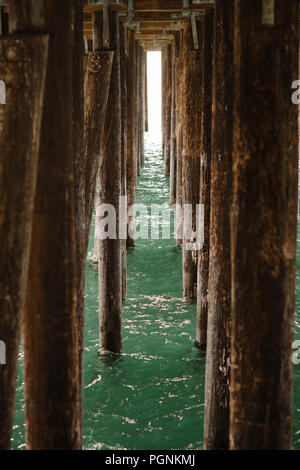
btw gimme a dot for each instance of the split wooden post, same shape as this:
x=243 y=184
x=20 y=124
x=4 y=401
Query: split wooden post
x=205 y=176
x=131 y=133
x=52 y=395
x=264 y=224
x=192 y=115
x=23 y=63
x=96 y=90
x=216 y=419
x=110 y=263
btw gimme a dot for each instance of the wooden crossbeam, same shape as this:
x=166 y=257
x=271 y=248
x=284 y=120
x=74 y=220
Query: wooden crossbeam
x=154 y=16
x=150 y=36
x=160 y=6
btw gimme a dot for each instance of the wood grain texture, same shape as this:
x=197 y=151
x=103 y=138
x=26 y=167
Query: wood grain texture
x=110 y=263
x=205 y=178
x=264 y=226
x=216 y=419
x=51 y=323
x=191 y=149
x=23 y=62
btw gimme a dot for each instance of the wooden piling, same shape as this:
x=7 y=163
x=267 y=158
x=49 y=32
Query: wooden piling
x=167 y=78
x=52 y=396
x=79 y=176
x=192 y=115
x=123 y=154
x=173 y=156
x=110 y=264
x=205 y=176
x=96 y=90
x=141 y=117
x=131 y=131
x=23 y=63
x=264 y=224
x=180 y=80
x=163 y=96
x=216 y=419
x=146 y=94
x=137 y=107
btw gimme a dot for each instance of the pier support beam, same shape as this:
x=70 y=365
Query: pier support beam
x=141 y=116
x=264 y=224
x=163 y=96
x=173 y=155
x=23 y=64
x=146 y=94
x=192 y=116
x=216 y=419
x=179 y=104
x=52 y=395
x=137 y=75
x=123 y=83
x=167 y=79
x=131 y=132
x=96 y=90
x=110 y=264
x=205 y=177
x=79 y=177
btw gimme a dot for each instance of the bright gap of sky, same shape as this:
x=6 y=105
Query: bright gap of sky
x=154 y=92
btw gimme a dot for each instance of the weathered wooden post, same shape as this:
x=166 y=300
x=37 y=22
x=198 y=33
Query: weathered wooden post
x=137 y=106
x=110 y=264
x=23 y=63
x=167 y=78
x=141 y=117
x=96 y=90
x=264 y=223
x=192 y=115
x=163 y=96
x=146 y=93
x=131 y=132
x=216 y=420
x=79 y=180
x=180 y=80
x=123 y=41
x=205 y=176
x=52 y=395
x=97 y=83
x=173 y=156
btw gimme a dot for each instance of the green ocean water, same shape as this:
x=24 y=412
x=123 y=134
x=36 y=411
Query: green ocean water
x=152 y=396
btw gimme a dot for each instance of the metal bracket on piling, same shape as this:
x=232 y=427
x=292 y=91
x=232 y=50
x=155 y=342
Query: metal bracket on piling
x=105 y=9
x=130 y=12
x=186 y=12
x=125 y=26
x=195 y=32
x=105 y=16
x=131 y=22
